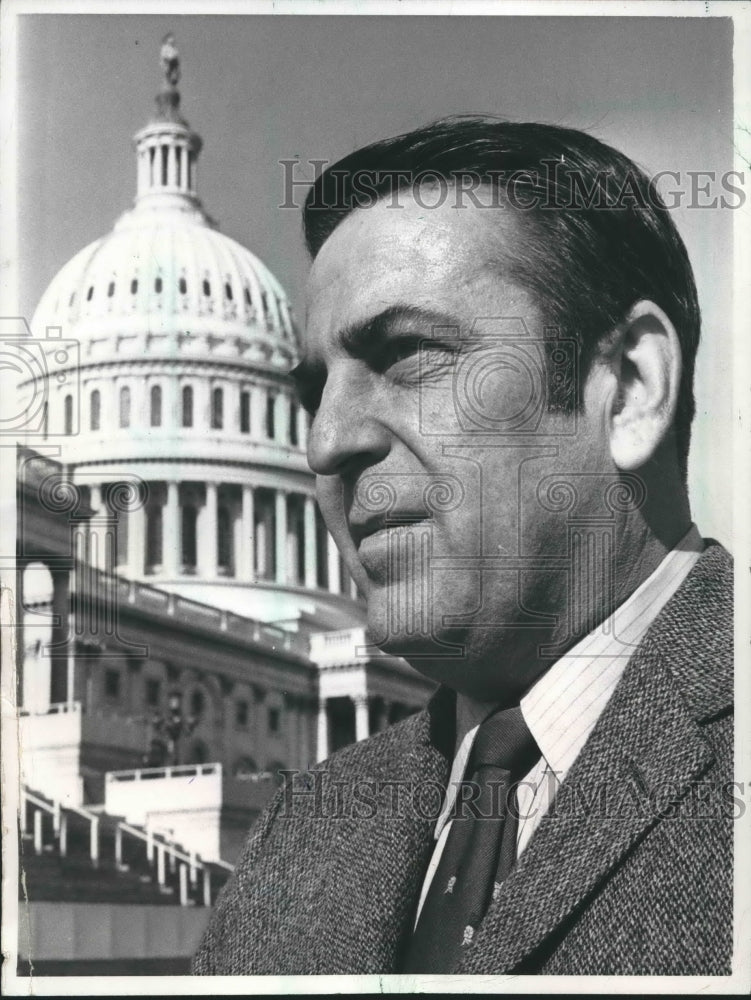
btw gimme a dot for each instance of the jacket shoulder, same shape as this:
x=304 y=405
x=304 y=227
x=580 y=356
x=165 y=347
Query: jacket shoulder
x=693 y=634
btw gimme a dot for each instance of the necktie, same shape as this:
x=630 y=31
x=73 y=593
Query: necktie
x=480 y=849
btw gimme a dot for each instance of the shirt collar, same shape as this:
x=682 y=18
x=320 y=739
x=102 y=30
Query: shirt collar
x=563 y=706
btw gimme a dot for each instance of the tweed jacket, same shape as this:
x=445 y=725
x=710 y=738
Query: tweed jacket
x=629 y=872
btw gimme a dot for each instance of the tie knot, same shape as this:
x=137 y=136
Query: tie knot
x=505 y=741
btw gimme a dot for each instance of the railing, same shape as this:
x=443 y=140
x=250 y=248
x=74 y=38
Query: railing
x=59 y=823
x=160 y=852
x=155 y=601
x=57 y=708
x=175 y=771
x=343 y=646
x=190 y=863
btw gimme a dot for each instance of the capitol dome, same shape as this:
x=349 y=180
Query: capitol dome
x=169 y=277
x=173 y=390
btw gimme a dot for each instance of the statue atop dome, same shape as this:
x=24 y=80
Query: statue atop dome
x=170 y=60
x=168 y=98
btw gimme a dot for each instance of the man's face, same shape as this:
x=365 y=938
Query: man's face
x=433 y=445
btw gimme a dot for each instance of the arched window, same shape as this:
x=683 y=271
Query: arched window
x=228 y=291
x=199 y=753
x=245 y=412
x=243 y=766
x=164 y=166
x=68 y=414
x=206 y=287
x=197 y=703
x=125 y=406
x=270 y=416
x=293 y=435
x=95 y=412
x=110 y=289
x=187 y=406
x=217 y=409
x=158 y=285
x=156 y=406
x=183 y=286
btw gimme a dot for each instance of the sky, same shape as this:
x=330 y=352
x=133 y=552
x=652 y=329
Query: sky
x=262 y=88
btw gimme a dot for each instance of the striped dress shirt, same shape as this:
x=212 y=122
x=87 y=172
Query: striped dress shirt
x=563 y=706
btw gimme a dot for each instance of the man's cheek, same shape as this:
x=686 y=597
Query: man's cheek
x=331 y=502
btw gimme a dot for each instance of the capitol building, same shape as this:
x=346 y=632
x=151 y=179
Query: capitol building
x=185 y=341
x=186 y=627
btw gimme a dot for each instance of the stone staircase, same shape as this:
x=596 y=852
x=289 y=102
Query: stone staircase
x=86 y=855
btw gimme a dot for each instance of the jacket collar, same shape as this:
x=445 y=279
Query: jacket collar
x=644 y=753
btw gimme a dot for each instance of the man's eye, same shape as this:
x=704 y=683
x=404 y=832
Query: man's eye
x=399 y=350
x=427 y=356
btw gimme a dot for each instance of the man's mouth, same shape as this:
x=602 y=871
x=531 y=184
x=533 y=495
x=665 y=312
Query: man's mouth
x=360 y=530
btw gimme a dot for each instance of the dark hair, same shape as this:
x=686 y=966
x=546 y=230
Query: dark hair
x=595 y=235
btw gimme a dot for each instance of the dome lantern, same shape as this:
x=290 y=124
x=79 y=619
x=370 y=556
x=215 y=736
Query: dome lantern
x=167 y=149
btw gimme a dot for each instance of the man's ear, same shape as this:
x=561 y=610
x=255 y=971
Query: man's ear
x=646 y=363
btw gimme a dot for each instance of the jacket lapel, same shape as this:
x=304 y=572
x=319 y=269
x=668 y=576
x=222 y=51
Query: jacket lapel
x=645 y=743
x=389 y=852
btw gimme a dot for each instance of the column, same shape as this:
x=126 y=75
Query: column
x=281 y=418
x=322 y=745
x=281 y=536
x=207 y=527
x=171 y=531
x=362 y=722
x=97 y=533
x=60 y=638
x=262 y=543
x=332 y=555
x=258 y=412
x=136 y=542
x=246 y=554
x=171 y=167
x=311 y=561
x=182 y=153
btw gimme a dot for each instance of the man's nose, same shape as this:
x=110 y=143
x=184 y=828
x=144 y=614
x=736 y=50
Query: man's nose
x=346 y=433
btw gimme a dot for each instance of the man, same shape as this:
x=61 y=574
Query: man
x=501 y=331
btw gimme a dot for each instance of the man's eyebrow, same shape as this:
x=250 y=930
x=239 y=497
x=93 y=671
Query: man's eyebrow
x=364 y=338
x=359 y=339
